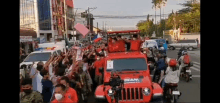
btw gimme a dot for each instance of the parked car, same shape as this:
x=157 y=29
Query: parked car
x=190 y=44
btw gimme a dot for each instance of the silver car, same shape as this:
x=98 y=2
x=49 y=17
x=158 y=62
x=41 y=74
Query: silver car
x=190 y=44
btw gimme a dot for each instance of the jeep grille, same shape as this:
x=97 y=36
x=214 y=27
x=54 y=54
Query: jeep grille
x=131 y=94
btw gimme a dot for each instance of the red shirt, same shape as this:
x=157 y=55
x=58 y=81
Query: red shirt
x=135 y=45
x=121 y=45
x=97 y=65
x=98 y=50
x=113 y=47
x=65 y=100
x=71 y=93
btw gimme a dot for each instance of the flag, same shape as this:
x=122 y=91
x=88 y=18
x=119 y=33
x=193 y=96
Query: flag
x=97 y=38
x=82 y=29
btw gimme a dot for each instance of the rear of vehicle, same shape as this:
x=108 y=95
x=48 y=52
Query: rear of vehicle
x=133 y=69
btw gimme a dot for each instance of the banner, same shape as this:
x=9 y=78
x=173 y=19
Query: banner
x=25 y=38
x=78 y=54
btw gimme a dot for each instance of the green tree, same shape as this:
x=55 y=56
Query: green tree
x=146 y=26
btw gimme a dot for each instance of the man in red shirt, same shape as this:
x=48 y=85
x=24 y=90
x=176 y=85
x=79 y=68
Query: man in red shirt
x=135 y=43
x=70 y=92
x=113 y=46
x=60 y=95
x=121 y=44
x=96 y=66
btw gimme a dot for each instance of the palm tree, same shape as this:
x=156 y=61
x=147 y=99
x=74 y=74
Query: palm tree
x=158 y=4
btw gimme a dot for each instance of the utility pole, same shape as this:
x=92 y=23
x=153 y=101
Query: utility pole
x=65 y=8
x=97 y=28
x=155 y=19
x=164 y=23
x=89 y=20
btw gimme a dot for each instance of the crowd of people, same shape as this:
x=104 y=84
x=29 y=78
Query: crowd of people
x=72 y=76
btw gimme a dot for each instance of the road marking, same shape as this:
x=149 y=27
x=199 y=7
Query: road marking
x=196 y=63
x=196 y=66
x=192 y=76
x=194 y=69
x=196 y=76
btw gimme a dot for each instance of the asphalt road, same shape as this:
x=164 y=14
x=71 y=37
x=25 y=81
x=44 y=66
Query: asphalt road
x=190 y=90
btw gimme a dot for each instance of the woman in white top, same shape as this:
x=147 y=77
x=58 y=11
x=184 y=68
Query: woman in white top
x=172 y=73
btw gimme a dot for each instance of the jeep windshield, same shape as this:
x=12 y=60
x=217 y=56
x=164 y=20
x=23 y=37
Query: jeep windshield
x=131 y=64
x=38 y=57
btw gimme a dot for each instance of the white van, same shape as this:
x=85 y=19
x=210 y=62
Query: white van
x=149 y=43
x=35 y=57
x=55 y=45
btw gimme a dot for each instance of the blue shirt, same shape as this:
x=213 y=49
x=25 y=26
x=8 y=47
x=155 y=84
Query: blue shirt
x=161 y=65
x=165 y=46
x=47 y=90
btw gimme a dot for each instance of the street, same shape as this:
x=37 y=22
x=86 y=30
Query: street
x=190 y=90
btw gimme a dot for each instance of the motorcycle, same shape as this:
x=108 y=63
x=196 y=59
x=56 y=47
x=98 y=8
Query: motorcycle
x=172 y=93
x=186 y=72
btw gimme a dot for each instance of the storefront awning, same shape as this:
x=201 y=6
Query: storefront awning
x=26 y=32
x=27 y=35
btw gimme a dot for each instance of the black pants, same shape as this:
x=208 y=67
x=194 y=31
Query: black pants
x=157 y=72
x=151 y=59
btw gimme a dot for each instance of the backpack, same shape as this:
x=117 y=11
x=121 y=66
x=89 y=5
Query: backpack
x=186 y=59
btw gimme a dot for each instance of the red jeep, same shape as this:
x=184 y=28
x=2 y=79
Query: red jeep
x=133 y=69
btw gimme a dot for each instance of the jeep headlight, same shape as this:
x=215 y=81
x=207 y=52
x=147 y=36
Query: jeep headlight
x=110 y=92
x=146 y=91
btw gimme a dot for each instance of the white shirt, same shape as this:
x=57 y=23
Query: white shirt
x=172 y=76
x=36 y=80
x=51 y=70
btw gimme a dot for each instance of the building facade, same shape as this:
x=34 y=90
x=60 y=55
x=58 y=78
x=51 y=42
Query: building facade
x=46 y=17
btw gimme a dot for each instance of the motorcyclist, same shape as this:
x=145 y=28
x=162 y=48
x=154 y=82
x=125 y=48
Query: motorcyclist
x=182 y=64
x=172 y=74
x=181 y=51
x=160 y=65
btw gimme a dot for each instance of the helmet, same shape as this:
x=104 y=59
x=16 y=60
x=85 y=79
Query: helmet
x=185 y=52
x=172 y=62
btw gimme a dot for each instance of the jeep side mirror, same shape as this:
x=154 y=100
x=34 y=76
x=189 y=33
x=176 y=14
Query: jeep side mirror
x=101 y=69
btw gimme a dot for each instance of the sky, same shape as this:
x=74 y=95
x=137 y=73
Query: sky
x=124 y=8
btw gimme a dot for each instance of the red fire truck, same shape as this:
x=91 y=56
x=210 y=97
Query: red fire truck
x=133 y=69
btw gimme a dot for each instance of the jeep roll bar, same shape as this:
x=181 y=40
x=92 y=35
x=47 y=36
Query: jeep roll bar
x=126 y=32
